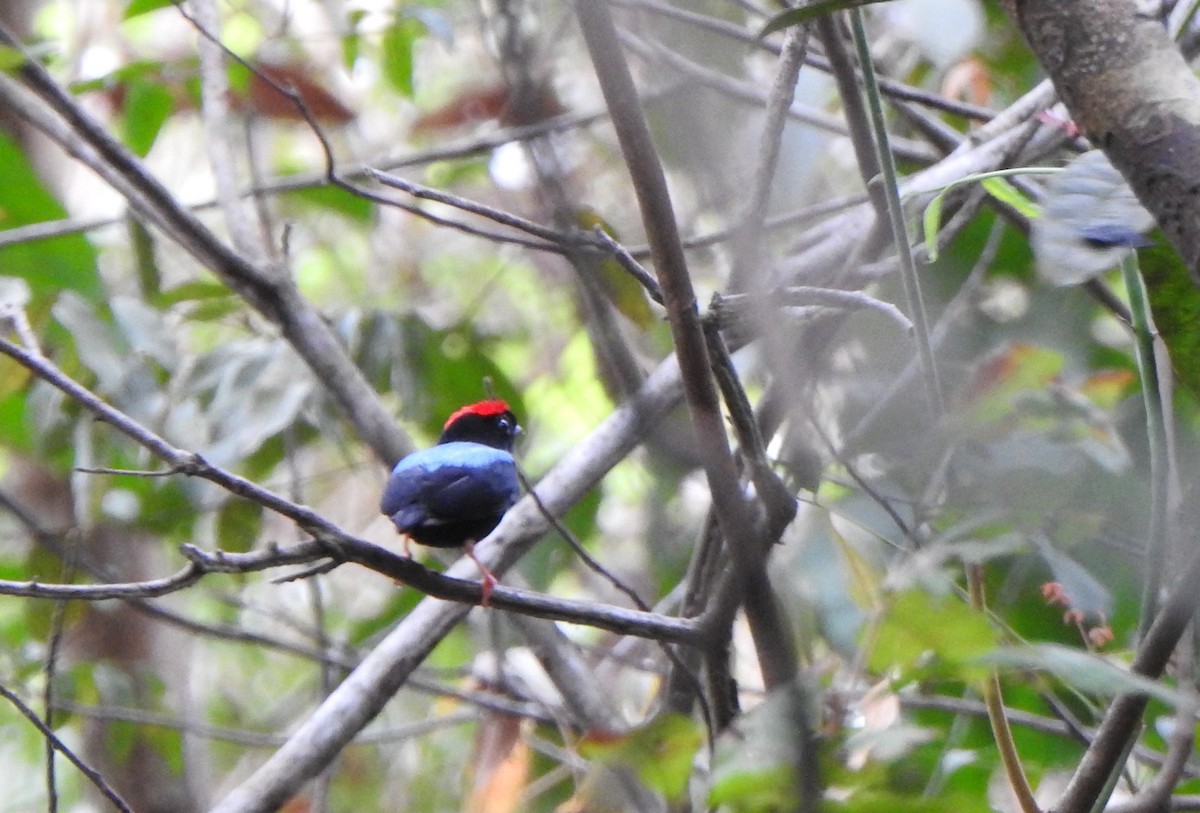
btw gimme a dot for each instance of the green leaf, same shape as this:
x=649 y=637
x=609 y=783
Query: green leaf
x=399 y=43
x=926 y=634
x=352 y=41
x=994 y=184
x=1085 y=671
x=49 y=266
x=147 y=106
x=137 y=8
x=1003 y=191
x=872 y=801
x=617 y=285
x=757 y=757
x=814 y=9
x=335 y=199
x=767 y=789
x=10 y=59
x=661 y=752
x=240 y=75
x=195 y=291
x=445 y=369
x=238 y=525
x=1004 y=378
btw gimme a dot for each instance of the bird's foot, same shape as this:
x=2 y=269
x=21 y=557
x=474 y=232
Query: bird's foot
x=488 y=580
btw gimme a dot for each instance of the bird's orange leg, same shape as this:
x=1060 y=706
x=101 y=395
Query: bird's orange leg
x=488 y=581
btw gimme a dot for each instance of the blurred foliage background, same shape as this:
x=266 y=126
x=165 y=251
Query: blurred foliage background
x=1039 y=468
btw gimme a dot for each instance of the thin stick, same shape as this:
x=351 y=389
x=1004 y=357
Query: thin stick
x=773 y=644
x=1144 y=337
x=92 y=775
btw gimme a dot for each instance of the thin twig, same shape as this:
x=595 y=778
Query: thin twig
x=246 y=230
x=627 y=260
x=748 y=253
x=483 y=210
x=92 y=775
x=593 y=564
x=731 y=307
x=464 y=148
x=1144 y=337
x=314 y=340
x=50 y=675
x=890 y=87
x=755 y=98
x=331 y=541
x=620 y=585
x=1180 y=745
x=997 y=715
x=895 y=214
x=259 y=739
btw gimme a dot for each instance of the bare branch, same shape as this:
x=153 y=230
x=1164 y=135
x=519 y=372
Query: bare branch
x=275 y=297
x=331 y=541
x=95 y=778
x=772 y=642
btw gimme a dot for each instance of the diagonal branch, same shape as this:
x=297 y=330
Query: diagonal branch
x=360 y=697
x=61 y=118
x=733 y=512
x=92 y=775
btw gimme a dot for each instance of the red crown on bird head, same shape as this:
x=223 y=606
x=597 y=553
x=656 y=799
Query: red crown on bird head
x=484 y=409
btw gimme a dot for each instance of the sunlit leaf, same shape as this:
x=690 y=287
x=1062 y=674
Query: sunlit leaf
x=48 y=266
x=136 y=8
x=337 y=200
x=1003 y=191
x=399 y=44
x=1083 y=670
x=194 y=291
x=660 y=753
x=766 y=789
x=10 y=58
x=618 y=286
x=147 y=107
x=994 y=183
x=925 y=634
x=757 y=759
x=239 y=75
x=1109 y=387
x=1004 y=376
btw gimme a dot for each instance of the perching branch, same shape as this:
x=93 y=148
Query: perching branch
x=388 y=666
x=331 y=541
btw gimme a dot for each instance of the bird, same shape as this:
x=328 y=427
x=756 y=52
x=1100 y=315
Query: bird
x=454 y=493
x=1090 y=220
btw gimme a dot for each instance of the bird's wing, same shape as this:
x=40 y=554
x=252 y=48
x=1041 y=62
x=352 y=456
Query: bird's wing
x=479 y=491
x=462 y=481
